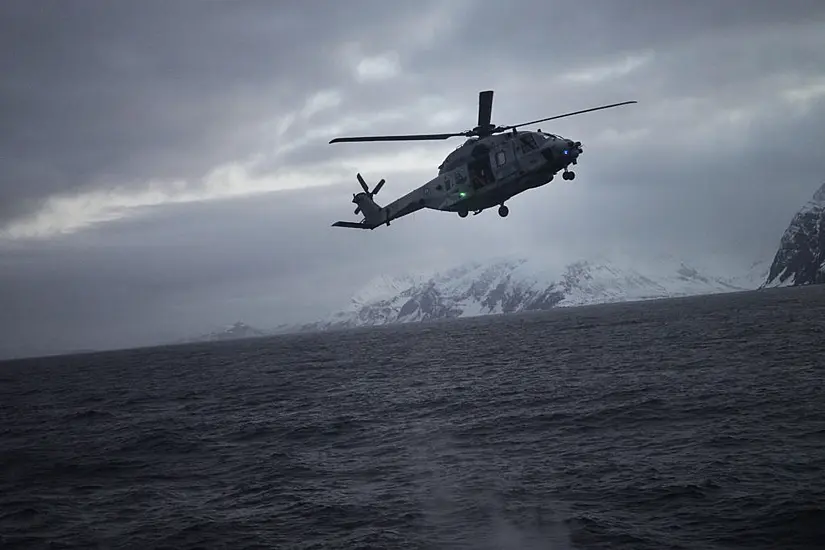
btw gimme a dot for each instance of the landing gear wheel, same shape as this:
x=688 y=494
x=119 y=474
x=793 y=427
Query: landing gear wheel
x=462 y=213
x=503 y=211
x=569 y=176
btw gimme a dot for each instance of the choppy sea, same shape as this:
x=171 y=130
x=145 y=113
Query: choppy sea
x=694 y=423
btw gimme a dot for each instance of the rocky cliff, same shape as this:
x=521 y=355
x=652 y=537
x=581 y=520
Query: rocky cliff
x=800 y=259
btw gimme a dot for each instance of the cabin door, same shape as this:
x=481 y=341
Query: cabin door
x=480 y=168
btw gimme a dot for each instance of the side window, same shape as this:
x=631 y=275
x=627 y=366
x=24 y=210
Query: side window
x=501 y=158
x=447 y=183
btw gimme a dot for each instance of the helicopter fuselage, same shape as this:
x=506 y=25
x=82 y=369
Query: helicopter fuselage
x=485 y=172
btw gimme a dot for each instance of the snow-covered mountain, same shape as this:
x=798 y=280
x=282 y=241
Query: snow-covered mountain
x=383 y=287
x=800 y=259
x=510 y=285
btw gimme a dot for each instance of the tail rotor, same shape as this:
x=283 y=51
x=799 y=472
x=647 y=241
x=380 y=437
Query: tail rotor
x=357 y=198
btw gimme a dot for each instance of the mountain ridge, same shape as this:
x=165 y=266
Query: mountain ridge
x=515 y=284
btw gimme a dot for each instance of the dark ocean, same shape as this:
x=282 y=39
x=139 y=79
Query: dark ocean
x=689 y=423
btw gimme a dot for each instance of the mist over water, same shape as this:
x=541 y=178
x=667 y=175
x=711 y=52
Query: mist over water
x=689 y=423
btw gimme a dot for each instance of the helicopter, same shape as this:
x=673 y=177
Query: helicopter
x=493 y=165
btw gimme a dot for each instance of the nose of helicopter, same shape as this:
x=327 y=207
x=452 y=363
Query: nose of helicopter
x=565 y=150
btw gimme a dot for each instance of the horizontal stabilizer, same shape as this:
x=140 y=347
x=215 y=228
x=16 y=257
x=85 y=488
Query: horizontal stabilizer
x=354 y=225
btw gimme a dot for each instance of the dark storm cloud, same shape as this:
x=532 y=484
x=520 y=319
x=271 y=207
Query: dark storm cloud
x=114 y=101
x=124 y=92
x=695 y=63
x=136 y=90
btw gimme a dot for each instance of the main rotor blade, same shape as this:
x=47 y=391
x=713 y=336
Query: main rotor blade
x=412 y=137
x=485 y=108
x=505 y=128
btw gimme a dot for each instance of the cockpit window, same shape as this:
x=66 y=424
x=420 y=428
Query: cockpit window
x=527 y=142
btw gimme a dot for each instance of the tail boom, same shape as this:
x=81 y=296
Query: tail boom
x=375 y=215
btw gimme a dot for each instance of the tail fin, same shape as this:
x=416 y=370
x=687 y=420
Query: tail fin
x=373 y=212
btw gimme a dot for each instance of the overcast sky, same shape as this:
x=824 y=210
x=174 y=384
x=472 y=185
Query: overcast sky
x=166 y=166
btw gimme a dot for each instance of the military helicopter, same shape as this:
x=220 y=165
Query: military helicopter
x=493 y=165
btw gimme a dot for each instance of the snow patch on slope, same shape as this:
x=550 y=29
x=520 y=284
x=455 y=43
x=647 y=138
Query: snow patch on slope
x=508 y=284
x=382 y=287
